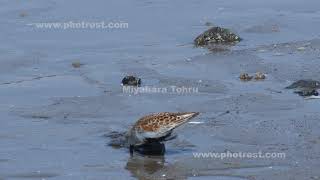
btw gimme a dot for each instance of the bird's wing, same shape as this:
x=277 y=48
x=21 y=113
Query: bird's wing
x=161 y=124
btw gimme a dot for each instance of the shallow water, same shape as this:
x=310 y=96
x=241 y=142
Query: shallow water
x=54 y=117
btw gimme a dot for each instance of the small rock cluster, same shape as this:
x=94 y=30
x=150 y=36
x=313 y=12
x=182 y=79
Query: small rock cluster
x=131 y=81
x=216 y=35
x=257 y=76
x=305 y=88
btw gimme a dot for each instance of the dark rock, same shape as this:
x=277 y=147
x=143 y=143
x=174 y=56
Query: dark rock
x=310 y=84
x=216 y=35
x=131 y=81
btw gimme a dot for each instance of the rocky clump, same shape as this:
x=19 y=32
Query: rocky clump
x=131 y=81
x=305 y=88
x=245 y=77
x=216 y=35
x=258 y=76
x=310 y=84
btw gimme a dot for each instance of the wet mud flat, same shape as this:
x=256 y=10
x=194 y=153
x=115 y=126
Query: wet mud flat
x=55 y=116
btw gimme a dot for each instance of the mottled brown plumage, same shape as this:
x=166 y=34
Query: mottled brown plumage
x=157 y=126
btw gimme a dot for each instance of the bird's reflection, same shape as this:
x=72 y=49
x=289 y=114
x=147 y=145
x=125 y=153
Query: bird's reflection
x=145 y=167
x=153 y=148
x=146 y=161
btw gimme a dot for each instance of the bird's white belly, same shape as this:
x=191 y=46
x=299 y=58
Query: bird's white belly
x=144 y=135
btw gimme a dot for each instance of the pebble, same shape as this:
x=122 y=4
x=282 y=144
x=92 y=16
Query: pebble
x=23 y=14
x=76 y=64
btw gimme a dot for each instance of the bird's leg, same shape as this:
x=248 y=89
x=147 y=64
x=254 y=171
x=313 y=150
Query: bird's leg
x=131 y=149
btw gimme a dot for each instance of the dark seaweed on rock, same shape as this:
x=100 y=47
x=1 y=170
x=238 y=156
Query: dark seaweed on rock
x=216 y=35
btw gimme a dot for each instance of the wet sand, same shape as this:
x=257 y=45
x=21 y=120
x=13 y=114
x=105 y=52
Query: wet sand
x=54 y=117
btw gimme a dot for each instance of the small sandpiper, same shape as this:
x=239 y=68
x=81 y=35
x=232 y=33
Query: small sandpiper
x=150 y=131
